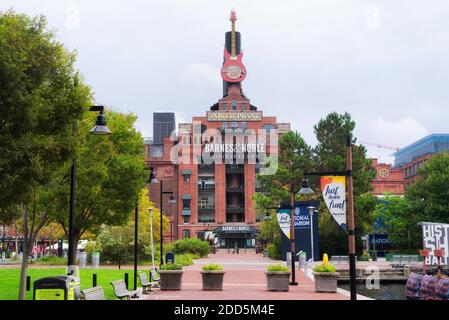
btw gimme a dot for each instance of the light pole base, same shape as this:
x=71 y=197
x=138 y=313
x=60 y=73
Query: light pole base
x=293 y=283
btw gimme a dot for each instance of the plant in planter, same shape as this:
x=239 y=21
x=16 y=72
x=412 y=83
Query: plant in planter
x=212 y=277
x=326 y=277
x=278 y=276
x=171 y=276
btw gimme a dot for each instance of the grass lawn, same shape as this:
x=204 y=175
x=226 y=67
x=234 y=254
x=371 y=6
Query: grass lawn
x=9 y=280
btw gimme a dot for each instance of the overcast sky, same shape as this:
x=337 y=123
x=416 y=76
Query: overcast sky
x=385 y=62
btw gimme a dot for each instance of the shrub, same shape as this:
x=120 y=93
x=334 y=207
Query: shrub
x=171 y=266
x=185 y=259
x=193 y=245
x=212 y=267
x=273 y=251
x=364 y=257
x=324 y=268
x=277 y=267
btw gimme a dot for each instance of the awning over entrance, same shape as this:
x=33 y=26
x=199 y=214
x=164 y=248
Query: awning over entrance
x=235 y=230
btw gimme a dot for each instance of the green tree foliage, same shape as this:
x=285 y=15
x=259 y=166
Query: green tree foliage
x=296 y=157
x=397 y=220
x=330 y=153
x=40 y=97
x=116 y=244
x=427 y=199
x=109 y=176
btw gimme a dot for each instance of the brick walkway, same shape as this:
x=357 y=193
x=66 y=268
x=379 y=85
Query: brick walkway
x=244 y=280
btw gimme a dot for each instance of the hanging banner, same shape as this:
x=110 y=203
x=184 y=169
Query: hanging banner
x=283 y=217
x=436 y=236
x=334 y=194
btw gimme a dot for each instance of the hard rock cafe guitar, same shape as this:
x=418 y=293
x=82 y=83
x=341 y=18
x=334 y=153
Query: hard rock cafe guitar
x=233 y=69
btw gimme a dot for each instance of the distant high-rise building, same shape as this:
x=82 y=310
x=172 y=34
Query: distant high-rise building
x=413 y=156
x=163 y=126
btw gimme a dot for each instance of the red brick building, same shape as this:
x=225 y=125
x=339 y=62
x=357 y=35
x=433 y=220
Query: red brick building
x=212 y=162
x=388 y=179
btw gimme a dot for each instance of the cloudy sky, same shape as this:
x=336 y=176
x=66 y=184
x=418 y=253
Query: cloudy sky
x=385 y=62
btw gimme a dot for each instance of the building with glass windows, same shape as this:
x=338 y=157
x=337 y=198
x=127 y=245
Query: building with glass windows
x=212 y=165
x=411 y=157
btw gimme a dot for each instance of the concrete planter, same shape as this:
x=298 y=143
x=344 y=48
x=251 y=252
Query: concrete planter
x=212 y=280
x=326 y=281
x=278 y=280
x=170 y=279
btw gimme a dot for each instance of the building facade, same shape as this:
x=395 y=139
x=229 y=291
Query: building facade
x=413 y=156
x=388 y=179
x=212 y=165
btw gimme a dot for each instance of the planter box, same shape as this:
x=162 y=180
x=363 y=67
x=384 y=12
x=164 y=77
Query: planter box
x=170 y=279
x=212 y=280
x=278 y=280
x=326 y=281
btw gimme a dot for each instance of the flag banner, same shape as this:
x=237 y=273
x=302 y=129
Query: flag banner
x=435 y=236
x=334 y=194
x=283 y=217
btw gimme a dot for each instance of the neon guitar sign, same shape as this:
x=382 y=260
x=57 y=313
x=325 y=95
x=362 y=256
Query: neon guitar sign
x=233 y=69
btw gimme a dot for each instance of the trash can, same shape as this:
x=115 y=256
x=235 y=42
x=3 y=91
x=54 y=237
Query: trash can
x=57 y=288
x=169 y=257
x=265 y=253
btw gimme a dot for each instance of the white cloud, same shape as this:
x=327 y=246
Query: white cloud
x=397 y=133
x=201 y=74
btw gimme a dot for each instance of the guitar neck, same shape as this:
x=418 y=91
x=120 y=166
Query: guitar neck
x=233 y=47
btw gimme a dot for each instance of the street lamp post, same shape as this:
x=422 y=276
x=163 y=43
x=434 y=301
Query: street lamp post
x=350 y=201
x=136 y=226
x=311 y=210
x=100 y=128
x=172 y=201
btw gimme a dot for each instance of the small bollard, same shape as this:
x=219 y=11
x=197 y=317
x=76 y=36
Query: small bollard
x=28 y=283
x=126 y=279
x=94 y=280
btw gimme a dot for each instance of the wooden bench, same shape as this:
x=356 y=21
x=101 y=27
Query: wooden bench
x=122 y=292
x=146 y=285
x=95 y=293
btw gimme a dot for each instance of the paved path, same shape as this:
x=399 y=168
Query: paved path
x=244 y=280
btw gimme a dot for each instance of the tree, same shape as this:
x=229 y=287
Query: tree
x=330 y=154
x=144 y=241
x=41 y=95
x=295 y=157
x=110 y=174
x=394 y=212
x=116 y=244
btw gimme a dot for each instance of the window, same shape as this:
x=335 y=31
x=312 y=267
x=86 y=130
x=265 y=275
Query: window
x=234 y=105
x=243 y=106
x=156 y=151
x=186 y=204
x=244 y=125
x=234 y=125
x=186 y=177
x=186 y=219
x=185 y=234
x=224 y=125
